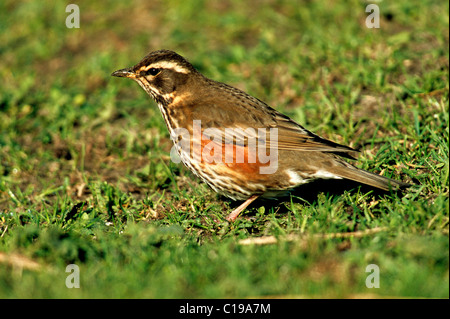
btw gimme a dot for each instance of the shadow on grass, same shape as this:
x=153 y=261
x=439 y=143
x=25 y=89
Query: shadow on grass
x=309 y=193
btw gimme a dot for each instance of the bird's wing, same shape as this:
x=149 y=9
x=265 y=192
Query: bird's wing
x=292 y=136
x=248 y=119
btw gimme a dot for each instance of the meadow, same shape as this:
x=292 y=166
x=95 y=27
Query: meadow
x=86 y=177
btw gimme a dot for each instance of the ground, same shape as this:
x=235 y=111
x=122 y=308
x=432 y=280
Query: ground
x=86 y=177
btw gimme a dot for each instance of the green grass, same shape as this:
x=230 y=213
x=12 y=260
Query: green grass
x=86 y=178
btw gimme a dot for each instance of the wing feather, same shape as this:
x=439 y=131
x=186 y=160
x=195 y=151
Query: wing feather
x=254 y=121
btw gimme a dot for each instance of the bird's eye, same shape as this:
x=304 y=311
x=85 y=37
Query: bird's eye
x=153 y=71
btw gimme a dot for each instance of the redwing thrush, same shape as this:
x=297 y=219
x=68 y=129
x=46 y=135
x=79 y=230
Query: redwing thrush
x=223 y=135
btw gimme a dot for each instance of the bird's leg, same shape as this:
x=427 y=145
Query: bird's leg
x=235 y=213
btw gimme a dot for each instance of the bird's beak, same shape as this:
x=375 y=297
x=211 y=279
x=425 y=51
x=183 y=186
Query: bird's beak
x=124 y=73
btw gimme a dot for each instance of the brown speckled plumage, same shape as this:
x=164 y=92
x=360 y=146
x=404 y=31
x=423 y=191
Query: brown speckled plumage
x=188 y=99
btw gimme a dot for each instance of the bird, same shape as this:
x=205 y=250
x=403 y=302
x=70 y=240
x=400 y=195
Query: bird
x=240 y=146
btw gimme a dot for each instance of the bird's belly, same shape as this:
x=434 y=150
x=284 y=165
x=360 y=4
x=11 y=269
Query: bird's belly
x=233 y=170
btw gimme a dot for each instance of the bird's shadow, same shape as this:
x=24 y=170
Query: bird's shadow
x=309 y=193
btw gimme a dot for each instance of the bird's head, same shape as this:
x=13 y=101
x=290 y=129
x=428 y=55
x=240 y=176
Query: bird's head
x=160 y=73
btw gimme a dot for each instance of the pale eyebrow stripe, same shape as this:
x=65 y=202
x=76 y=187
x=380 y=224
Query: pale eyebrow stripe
x=165 y=65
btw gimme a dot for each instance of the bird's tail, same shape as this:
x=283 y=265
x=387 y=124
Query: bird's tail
x=361 y=176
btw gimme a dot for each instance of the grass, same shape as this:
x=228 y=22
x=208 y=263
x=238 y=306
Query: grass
x=86 y=178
